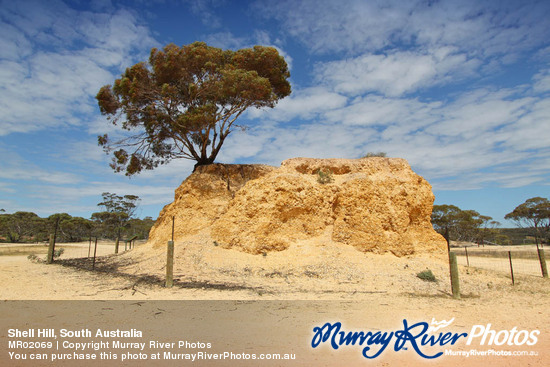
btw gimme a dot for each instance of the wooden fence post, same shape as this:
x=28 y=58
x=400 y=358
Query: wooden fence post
x=116 y=245
x=467 y=259
x=170 y=265
x=95 y=252
x=455 y=286
x=511 y=267
x=170 y=259
x=51 y=249
x=173 y=220
x=542 y=260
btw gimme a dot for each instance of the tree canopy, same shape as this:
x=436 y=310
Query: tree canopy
x=119 y=210
x=184 y=102
x=117 y=218
x=534 y=213
x=19 y=225
x=461 y=225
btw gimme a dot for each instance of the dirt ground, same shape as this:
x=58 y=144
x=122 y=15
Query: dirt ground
x=360 y=288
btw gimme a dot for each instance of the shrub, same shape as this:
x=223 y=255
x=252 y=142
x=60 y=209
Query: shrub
x=427 y=275
x=32 y=257
x=58 y=252
x=324 y=177
x=372 y=154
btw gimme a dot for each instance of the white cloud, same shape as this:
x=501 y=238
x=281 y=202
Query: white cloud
x=481 y=112
x=483 y=136
x=384 y=112
x=205 y=10
x=326 y=26
x=392 y=75
x=395 y=73
x=148 y=194
x=83 y=152
x=14 y=167
x=42 y=189
x=304 y=103
x=396 y=48
x=175 y=171
x=542 y=81
x=530 y=132
x=49 y=199
x=5 y=187
x=57 y=59
x=481 y=28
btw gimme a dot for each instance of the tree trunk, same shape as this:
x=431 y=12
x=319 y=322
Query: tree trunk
x=203 y=162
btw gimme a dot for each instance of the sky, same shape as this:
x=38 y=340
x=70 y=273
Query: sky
x=460 y=89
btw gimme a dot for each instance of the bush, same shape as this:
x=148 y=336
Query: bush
x=33 y=257
x=372 y=154
x=58 y=252
x=324 y=177
x=427 y=275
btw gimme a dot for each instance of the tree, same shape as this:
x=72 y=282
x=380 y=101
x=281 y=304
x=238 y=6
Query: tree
x=76 y=229
x=4 y=218
x=68 y=228
x=461 y=225
x=20 y=226
x=444 y=218
x=54 y=223
x=534 y=213
x=140 y=227
x=118 y=210
x=486 y=227
x=502 y=239
x=184 y=102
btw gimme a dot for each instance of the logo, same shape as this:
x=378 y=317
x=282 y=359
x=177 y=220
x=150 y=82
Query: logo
x=421 y=337
x=502 y=337
x=439 y=325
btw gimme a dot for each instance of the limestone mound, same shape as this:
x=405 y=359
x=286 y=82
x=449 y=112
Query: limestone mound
x=374 y=204
x=202 y=198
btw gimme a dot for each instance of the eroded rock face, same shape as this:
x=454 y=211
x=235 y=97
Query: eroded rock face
x=202 y=198
x=374 y=204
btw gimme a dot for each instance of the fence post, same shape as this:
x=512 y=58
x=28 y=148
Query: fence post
x=542 y=261
x=455 y=286
x=173 y=220
x=170 y=265
x=170 y=259
x=95 y=252
x=116 y=245
x=511 y=267
x=51 y=249
x=467 y=259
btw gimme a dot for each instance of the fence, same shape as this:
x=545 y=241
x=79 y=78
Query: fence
x=509 y=259
x=71 y=250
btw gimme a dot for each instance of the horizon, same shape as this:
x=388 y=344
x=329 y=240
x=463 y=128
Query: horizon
x=459 y=89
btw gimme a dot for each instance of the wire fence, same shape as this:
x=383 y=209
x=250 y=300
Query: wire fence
x=509 y=259
x=68 y=250
x=87 y=248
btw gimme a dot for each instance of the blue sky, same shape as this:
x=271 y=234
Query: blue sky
x=461 y=89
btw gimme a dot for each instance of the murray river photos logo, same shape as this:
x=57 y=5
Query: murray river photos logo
x=425 y=339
